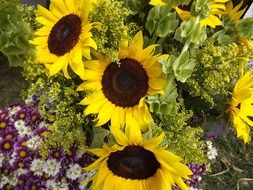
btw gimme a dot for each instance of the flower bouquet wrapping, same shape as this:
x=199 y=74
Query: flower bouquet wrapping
x=124 y=94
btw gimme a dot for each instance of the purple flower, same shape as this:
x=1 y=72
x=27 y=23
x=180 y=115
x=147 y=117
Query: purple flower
x=56 y=153
x=10 y=133
x=6 y=145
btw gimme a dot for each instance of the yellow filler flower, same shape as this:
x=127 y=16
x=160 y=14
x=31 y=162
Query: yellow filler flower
x=118 y=90
x=216 y=7
x=241 y=107
x=65 y=35
x=137 y=164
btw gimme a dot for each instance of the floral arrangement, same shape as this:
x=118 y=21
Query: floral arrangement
x=133 y=84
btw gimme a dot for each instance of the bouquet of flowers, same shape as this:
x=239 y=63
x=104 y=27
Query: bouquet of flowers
x=133 y=85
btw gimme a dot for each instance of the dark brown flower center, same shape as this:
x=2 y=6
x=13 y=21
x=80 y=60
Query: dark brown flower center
x=65 y=34
x=125 y=84
x=133 y=162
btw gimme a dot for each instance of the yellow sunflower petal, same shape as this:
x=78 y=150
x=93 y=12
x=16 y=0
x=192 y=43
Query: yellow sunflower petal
x=101 y=152
x=44 y=21
x=105 y=113
x=91 y=85
x=152 y=143
x=59 y=6
x=95 y=165
x=94 y=108
x=156 y=2
x=101 y=175
x=43 y=31
x=181 y=184
x=157 y=83
x=47 y=14
x=76 y=54
x=57 y=65
x=71 y=6
x=65 y=71
x=91 y=98
x=89 y=42
x=119 y=136
x=133 y=131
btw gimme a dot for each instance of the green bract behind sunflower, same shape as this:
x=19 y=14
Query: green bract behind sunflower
x=65 y=35
x=137 y=164
x=117 y=91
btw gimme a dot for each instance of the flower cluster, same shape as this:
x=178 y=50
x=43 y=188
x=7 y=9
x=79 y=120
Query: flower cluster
x=198 y=170
x=21 y=166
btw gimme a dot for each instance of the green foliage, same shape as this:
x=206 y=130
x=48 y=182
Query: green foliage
x=191 y=32
x=182 y=139
x=217 y=68
x=113 y=16
x=162 y=21
x=15 y=32
x=200 y=8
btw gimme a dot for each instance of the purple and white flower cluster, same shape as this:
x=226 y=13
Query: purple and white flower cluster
x=21 y=166
x=198 y=170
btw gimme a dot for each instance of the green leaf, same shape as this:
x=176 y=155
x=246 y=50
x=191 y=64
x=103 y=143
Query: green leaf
x=133 y=5
x=153 y=19
x=154 y=106
x=99 y=136
x=191 y=31
x=183 y=67
x=161 y=21
x=167 y=25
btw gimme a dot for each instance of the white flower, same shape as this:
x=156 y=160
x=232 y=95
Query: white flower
x=29 y=100
x=1 y=159
x=23 y=130
x=79 y=154
x=37 y=166
x=3 y=180
x=13 y=181
x=34 y=142
x=42 y=124
x=74 y=171
x=209 y=144
x=19 y=172
x=52 y=167
x=52 y=185
x=212 y=153
x=13 y=158
x=19 y=123
x=14 y=110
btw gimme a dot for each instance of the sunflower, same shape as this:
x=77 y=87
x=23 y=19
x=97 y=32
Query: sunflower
x=234 y=14
x=216 y=7
x=64 y=36
x=241 y=107
x=118 y=90
x=137 y=164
